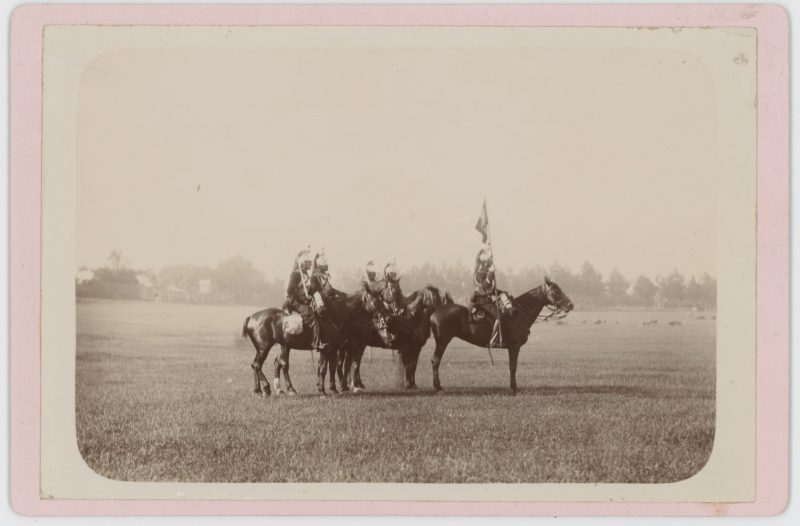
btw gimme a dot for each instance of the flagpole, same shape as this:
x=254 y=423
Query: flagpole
x=488 y=228
x=491 y=251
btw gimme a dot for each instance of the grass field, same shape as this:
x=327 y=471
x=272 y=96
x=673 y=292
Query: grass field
x=164 y=393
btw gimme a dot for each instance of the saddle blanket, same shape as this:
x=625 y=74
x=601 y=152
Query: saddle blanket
x=292 y=324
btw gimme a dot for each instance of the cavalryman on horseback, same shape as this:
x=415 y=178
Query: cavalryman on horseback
x=374 y=289
x=392 y=279
x=487 y=299
x=304 y=295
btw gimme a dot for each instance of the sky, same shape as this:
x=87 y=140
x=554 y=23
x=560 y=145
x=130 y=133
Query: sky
x=386 y=150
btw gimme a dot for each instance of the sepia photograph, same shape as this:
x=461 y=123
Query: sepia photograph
x=397 y=255
x=377 y=260
x=350 y=261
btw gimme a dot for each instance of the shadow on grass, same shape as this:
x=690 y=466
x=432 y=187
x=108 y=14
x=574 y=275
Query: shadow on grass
x=494 y=391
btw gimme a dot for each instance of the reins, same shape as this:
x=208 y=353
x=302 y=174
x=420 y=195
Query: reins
x=555 y=313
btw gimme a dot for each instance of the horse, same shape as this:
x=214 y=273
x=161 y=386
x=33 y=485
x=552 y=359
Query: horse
x=453 y=321
x=411 y=327
x=265 y=329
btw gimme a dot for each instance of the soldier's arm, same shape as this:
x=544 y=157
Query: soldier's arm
x=291 y=286
x=314 y=284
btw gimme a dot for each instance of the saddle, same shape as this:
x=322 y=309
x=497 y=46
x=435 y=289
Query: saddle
x=487 y=311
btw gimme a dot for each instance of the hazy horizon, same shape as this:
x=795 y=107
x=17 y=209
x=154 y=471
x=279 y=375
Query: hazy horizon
x=382 y=150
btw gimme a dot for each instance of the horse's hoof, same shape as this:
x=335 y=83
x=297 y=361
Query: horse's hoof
x=345 y=389
x=357 y=390
x=291 y=392
x=438 y=388
x=279 y=392
x=266 y=394
x=333 y=390
x=411 y=387
x=257 y=393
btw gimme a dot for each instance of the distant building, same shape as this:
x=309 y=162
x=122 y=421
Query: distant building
x=205 y=286
x=84 y=274
x=145 y=281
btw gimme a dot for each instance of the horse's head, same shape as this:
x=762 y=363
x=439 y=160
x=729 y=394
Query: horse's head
x=556 y=297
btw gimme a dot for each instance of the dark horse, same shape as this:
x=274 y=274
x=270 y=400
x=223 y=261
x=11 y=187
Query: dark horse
x=411 y=327
x=265 y=329
x=452 y=321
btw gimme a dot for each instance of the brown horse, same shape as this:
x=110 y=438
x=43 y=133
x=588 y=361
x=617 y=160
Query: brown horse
x=265 y=329
x=453 y=321
x=411 y=325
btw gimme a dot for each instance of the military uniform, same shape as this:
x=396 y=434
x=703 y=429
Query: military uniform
x=373 y=288
x=299 y=297
x=392 y=277
x=485 y=297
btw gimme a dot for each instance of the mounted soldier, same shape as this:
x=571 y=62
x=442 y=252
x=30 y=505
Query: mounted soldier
x=373 y=290
x=486 y=298
x=324 y=277
x=395 y=297
x=304 y=296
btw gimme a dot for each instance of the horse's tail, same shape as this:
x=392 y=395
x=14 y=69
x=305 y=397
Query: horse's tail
x=244 y=332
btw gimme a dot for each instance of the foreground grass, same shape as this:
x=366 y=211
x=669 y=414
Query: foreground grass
x=164 y=394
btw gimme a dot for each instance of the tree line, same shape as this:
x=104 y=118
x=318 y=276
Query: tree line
x=237 y=280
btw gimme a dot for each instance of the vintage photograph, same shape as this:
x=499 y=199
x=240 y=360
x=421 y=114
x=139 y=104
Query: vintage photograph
x=415 y=255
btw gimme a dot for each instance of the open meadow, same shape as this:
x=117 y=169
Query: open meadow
x=164 y=393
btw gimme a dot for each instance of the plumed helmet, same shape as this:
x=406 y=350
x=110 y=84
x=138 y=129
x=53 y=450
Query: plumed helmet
x=390 y=271
x=484 y=255
x=304 y=256
x=320 y=261
x=369 y=270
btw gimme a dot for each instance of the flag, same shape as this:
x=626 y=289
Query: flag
x=483 y=223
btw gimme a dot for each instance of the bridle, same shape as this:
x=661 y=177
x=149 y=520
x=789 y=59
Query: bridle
x=556 y=312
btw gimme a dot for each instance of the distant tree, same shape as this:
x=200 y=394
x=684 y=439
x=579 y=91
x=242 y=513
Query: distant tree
x=644 y=291
x=590 y=285
x=709 y=286
x=672 y=288
x=239 y=278
x=617 y=287
x=562 y=275
x=116 y=260
x=694 y=293
x=120 y=276
x=185 y=277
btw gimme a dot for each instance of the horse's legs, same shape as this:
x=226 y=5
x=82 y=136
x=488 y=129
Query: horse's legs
x=332 y=353
x=341 y=357
x=406 y=360
x=258 y=362
x=287 y=380
x=441 y=345
x=281 y=364
x=513 y=354
x=347 y=364
x=357 y=383
x=413 y=360
x=322 y=365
